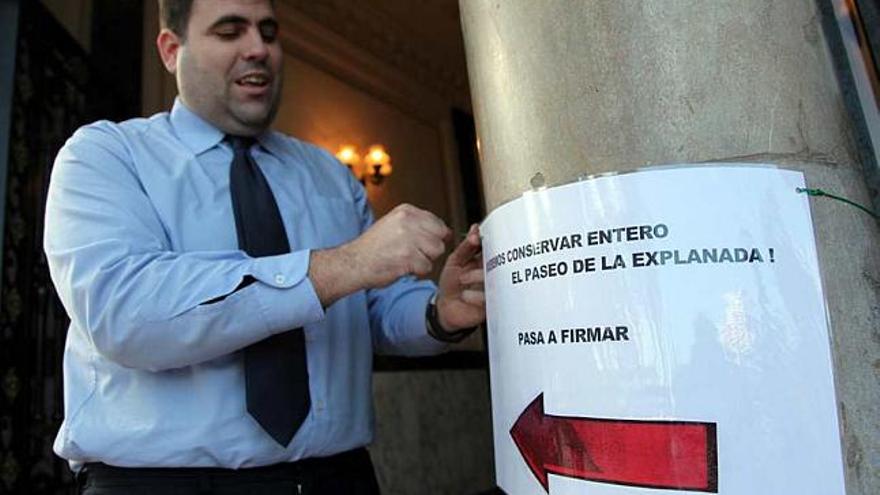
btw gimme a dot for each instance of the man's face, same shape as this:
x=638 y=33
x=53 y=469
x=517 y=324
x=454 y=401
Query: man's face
x=229 y=68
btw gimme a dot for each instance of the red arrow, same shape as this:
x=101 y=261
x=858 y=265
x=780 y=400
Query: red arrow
x=652 y=454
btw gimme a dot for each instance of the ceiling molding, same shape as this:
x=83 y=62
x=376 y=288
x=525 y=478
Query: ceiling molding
x=305 y=39
x=371 y=31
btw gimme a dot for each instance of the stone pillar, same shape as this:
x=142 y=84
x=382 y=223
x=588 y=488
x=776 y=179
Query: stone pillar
x=572 y=87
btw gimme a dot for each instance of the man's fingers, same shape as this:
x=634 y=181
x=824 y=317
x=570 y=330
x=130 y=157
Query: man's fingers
x=474 y=263
x=421 y=265
x=469 y=247
x=430 y=245
x=431 y=223
x=474 y=276
x=475 y=297
x=414 y=219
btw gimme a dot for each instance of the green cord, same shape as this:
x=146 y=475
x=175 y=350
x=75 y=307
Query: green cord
x=819 y=192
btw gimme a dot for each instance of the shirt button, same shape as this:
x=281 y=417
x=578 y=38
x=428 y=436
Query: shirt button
x=279 y=278
x=319 y=405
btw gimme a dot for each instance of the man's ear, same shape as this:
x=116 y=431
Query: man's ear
x=169 y=45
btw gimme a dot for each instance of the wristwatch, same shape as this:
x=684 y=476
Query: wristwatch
x=436 y=330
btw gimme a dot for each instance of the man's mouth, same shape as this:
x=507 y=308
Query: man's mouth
x=253 y=80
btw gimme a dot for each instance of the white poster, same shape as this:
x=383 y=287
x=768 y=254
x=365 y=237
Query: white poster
x=661 y=332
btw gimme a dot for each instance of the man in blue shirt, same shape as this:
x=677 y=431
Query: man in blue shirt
x=150 y=258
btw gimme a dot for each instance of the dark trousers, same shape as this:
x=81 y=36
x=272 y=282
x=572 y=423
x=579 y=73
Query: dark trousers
x=349 y=473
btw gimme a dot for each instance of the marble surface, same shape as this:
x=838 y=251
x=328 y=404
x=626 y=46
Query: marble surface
x=433 y=432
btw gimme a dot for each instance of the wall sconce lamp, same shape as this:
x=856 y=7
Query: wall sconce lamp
x=375 y=165
x=378 y=164
x=349 y=156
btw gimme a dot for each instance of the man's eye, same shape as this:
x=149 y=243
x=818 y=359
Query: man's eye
x=269 y=34
x=227 y=34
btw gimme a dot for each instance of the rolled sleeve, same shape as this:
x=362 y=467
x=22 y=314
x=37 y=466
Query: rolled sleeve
x=286 y=296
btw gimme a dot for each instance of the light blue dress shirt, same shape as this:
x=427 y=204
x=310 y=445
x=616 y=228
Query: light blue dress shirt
x=140 y=234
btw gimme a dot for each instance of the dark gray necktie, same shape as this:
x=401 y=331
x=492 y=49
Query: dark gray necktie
x=276 y=375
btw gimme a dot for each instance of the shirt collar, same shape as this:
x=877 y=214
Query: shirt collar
x=195 y=132
x=272 y=142
x=199 y=135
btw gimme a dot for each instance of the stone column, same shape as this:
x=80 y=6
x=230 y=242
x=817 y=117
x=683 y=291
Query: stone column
x=566 y=88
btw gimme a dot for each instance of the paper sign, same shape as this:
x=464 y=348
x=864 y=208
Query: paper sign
x=661 y=332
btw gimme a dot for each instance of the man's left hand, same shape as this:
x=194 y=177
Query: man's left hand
x=461 y=299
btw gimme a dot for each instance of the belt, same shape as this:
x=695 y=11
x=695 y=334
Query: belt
x=100 y=474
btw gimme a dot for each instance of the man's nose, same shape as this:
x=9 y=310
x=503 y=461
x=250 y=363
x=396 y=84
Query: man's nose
x=255 y=47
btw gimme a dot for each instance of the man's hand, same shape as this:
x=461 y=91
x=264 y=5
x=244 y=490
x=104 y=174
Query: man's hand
x=405 y=241
x=461 y=300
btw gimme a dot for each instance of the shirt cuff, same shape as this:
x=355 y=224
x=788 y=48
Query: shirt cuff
x=287 y=298
x=425 y=343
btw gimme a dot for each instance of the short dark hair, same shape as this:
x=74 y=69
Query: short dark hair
x=174 y=15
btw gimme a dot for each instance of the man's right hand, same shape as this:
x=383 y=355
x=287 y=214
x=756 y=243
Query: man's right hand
x=406 y=241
